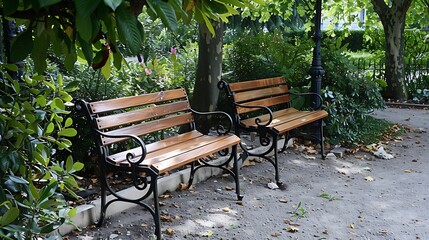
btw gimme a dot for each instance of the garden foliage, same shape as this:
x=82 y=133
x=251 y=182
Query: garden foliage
x=35 y=128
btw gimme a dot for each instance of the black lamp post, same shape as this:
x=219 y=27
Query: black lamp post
x=316 y=69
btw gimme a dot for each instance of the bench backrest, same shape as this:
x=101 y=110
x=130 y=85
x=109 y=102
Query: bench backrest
x=140 y=115
x=266 y=92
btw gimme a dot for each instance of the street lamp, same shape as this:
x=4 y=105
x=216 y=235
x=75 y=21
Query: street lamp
x=316 y=69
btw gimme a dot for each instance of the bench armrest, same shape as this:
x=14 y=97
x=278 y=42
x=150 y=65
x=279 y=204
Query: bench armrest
x=220 y=129
x=258 y=120
x=308 y=95
x=130 y=156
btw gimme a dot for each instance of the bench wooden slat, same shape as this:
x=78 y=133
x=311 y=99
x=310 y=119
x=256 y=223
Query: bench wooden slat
x=213 y=145
x=264 y=118
x=148 y=127
x=143 y=114
x=182 y=153
x=268 y=102
x=255 y=84
x=287 y=126
x=260 y=93
x=133 y=101
x=153 y=147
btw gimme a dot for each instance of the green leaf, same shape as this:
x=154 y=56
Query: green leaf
x=41 y=100
x=69 y=122
x=85 y=7
x=9 y=216
x=86 y=50
x=47 y=191
x=58 y=103
x=70 y=59
x=128 y=30
x=69 y=164
x=77 y=166
x=68 y=132
x=10 y=7
x=22 y=46
x=106 y=69
x=50 y=128
x=113 y=4
x=72 y=212
x=49 y=228
x=238 y=3
x=11 y=67
x=84 y=27
x=217 y=7
x=46 y=3
x=40 y=52
x=51 y=85
x=165 y=12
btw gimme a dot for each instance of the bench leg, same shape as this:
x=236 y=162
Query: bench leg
x=276 y=160
x=236 y=173
x=103 y=183
x=156 y=214
x=322 y=141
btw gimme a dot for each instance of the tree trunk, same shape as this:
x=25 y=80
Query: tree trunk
x=209 y=72
x=393 y=20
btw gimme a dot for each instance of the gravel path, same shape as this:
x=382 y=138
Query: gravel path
x=355 y=197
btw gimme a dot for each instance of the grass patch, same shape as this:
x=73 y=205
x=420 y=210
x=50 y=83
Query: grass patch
x=375 y=130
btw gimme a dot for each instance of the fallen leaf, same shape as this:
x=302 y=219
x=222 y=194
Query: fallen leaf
x=292 y=229
x=408 y=171
x=228 y=188
x=209 y=233
x=351 y=226
x=169 y=231
x=182 y=186
x=226 y=209
x=369 y=179
x=325 y=231
x=162 y=203
x=311 y=151
x=287 y=221
x=176 y=205
x=283 y=200
x=383 y=231
x=276 y=234
x=166 y=218
x=164 y=196
x=309 y=157
x=143 y=225
x=248 y=163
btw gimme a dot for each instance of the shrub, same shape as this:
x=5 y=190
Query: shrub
x=267 y=55
x=34 y=131
x=348 y=98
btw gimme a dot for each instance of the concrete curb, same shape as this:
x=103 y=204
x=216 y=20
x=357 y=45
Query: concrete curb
x=88 y=214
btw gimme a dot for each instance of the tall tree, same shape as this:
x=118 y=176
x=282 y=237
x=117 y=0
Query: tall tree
x=393 y=17
x=209 y=71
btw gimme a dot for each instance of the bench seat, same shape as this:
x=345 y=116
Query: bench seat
x=265 y=107
x=131 y=136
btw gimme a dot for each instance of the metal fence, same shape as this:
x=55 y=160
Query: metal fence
x=413 y=69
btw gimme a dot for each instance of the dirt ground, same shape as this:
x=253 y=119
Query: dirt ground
x=354 y=197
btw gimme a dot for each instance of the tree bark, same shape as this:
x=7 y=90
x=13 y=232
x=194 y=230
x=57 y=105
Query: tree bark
x=209 y=72
x=393 y=19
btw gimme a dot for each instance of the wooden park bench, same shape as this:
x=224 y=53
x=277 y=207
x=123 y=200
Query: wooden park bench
x=125 y=130
x=263 y=107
